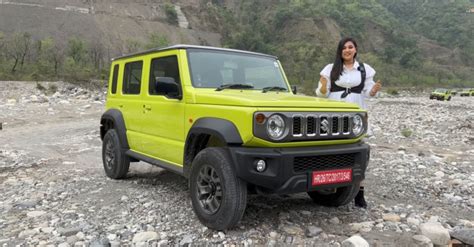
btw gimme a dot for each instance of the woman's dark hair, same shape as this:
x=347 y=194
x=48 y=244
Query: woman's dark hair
x=338 y=63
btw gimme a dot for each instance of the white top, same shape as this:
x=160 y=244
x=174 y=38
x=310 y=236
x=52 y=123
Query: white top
x=349 y=78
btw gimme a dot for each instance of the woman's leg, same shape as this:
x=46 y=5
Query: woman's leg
x=359 y=200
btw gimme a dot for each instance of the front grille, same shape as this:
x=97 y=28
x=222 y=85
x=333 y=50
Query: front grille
x=323 y=162
x=322 y=125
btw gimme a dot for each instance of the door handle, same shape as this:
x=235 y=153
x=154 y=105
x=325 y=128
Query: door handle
x=147 y=107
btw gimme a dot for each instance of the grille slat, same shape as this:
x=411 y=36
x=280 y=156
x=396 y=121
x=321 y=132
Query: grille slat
x=297 y=126
x=311 y=123
x=345 y=125
x=335 y=125
x=323 y=162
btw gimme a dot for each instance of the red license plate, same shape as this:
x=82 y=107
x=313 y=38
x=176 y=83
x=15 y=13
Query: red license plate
x=331 y=177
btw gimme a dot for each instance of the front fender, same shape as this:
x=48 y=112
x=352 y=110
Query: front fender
x=197 y=136
x=225 y=130
x=116 y=118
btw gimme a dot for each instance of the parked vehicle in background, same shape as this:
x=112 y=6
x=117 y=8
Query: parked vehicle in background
x=467 y=92
x=441 y=94
x=229 y=122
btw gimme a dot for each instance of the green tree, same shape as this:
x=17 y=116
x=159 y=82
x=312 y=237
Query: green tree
x=171 y=14
x=17 y=48
x=77 y=50
x=45 y=57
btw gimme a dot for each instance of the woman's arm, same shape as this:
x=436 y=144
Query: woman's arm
x=375 y=88
x=323 y=87
x=324 y=84
x=371 y=87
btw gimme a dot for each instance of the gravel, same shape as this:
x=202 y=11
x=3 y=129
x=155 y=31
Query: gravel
x=53 y=191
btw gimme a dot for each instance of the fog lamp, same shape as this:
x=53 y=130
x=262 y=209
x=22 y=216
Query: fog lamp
x=260 y=165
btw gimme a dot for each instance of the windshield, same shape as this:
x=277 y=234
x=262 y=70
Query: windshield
x=211 y=69
x=440 y=90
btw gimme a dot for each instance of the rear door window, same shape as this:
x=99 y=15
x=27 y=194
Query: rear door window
x=132 y=78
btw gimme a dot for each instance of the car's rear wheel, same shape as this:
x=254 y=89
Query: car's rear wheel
x=449 y=98
x=218 y=196
x=116 y=163
x=335 y=198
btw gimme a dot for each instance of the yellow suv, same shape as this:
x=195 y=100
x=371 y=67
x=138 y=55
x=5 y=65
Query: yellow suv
x=229 y=122
x=467 y=92
x=441 y=94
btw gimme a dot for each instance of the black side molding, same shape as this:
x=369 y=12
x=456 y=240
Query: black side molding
x=163 y=164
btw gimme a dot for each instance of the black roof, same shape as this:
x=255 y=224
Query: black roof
x=181 y=46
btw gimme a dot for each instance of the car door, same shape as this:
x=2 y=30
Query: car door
x=130 y=100
x=163 y=116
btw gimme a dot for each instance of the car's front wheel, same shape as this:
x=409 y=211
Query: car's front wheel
x=116 y=163
x=335 y=198
x=218 y=196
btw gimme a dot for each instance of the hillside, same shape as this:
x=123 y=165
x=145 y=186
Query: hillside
x=410 y=43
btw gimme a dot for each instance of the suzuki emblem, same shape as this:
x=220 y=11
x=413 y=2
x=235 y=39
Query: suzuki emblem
x=325 y=126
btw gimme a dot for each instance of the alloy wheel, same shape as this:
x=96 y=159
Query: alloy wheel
x=109 y=155
x=209 y=189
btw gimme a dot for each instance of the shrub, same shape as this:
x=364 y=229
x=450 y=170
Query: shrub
x=171 y=14
x=40 y=87
x=406 y=132
x=53 y=88
x=392 y=91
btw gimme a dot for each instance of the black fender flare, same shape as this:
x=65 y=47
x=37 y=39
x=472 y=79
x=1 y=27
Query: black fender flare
x=223 y=129
x=116 y=117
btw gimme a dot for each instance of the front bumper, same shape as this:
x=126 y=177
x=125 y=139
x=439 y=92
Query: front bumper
x=289 y=169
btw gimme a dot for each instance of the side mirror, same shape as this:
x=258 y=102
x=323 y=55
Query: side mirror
x=293 y=89
x=168 y=87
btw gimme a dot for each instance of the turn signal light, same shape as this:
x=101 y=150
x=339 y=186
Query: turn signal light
x=260 y=118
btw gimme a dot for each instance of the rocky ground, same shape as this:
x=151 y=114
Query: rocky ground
x=53 y=190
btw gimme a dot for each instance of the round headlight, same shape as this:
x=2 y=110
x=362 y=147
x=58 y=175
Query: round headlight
x=357 y=125
x=275 y=127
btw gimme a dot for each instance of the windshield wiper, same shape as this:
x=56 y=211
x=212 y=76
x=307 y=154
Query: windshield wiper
x=267 y=89
x=234 y=86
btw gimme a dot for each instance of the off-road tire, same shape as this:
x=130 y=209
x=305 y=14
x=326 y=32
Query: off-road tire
x=431 y=97
x=342 y=196
x=449 y=98
x=230 y=192
x=116 y=163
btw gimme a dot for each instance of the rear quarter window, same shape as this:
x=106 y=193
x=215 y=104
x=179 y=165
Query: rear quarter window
x=114 y=79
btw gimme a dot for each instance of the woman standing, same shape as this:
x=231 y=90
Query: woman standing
x=350 y=81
